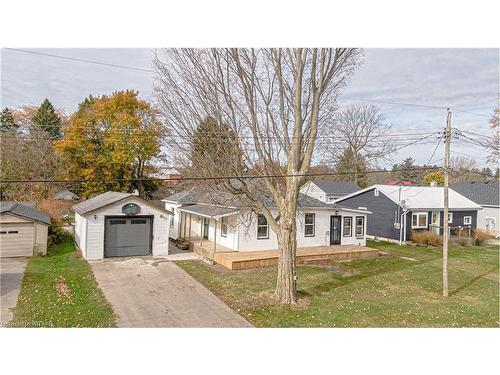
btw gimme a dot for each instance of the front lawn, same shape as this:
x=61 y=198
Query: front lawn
x=59 y=290
x=399 y=290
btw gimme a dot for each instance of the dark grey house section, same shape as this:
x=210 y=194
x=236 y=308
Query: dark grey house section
x=384 y=213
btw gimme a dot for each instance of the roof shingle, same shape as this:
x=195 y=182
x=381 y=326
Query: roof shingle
x=481 y=192
x=24 y=210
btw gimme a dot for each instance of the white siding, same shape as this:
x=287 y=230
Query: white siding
x=81 y=233
x=248 y=232
x=489 y=212
x=311 y=189
x=41 y=233
x=95 y=228
x=174 y=230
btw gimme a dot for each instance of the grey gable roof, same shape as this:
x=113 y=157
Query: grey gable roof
x=99 y=201
x=208 y=196
x=480 y=192
x=336 y=187
x=24 y=210
x=108 y=198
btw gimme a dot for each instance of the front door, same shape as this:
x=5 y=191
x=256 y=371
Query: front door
x=435 y=222
x=205 y=228
x=335 y=230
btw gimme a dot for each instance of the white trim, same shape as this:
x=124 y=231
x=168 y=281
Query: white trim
x=418 y=214
x=469 y=221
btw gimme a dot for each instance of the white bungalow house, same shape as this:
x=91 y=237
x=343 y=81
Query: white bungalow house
x=229 y=223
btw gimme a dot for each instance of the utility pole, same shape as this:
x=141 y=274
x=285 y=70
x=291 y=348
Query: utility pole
x=447 y=139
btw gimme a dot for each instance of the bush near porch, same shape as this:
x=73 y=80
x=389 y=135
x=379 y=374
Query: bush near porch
x=399 y=290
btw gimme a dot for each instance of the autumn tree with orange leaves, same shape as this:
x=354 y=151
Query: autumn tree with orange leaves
x=109 y=140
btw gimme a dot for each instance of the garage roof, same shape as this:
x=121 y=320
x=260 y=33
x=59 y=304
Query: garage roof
x=24 y=210
x=106 y=199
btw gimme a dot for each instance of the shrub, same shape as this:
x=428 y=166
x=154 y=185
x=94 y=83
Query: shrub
x=426 y=238
x=480 y=237
x=57 y=235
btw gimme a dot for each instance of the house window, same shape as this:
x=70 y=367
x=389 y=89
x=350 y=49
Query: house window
x=376 y=192
x=419 y=220
x=171 y=221
x=223 y=226
x=450 y=217
x=309 y=222
x=347 y=226
x=360 y=226
x=467 y=220
x=262 y=227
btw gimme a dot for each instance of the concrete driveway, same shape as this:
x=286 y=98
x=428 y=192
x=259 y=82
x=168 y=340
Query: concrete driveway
x=11 y=275
x=150 y=293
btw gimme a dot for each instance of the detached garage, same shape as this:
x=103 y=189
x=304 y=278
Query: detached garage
x=117 y=224
x=23 y=230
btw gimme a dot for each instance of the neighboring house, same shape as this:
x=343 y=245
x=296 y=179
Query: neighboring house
x=168 y=173
x=65 y=195
x=120 y=224
x=23 y=230
x=328 y=191
x=486 y=194
x=393 y=181
x=397 y=210
x=221 y=217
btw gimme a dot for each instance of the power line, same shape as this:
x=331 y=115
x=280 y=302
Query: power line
x=207 y=178
x=81 y=60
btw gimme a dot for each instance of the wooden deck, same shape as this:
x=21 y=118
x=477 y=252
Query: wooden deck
x=243 y=260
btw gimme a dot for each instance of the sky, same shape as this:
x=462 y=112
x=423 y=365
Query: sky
x=404 y=83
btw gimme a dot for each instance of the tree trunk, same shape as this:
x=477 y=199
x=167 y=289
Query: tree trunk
x=287 y=248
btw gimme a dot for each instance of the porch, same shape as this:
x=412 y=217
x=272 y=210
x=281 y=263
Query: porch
x=242 y=260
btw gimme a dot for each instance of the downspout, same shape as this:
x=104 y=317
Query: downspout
x=402 y=227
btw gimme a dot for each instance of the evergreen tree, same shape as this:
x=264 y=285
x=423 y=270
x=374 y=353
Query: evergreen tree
x=408 y=172
x=48 y=120
x=487 y=172
x=7 y=122
x=215 y=148
x=352 y=167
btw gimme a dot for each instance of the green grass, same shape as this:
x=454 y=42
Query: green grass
x=387 y=291
x=59 y=290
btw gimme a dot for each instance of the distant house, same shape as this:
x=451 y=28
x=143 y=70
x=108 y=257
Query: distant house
x=328 y=191
x=23 y=229
x=65 y=195
x=394 y=181
x=398 y=210
x=228 y=221
x=486 y=194
x=170 y=174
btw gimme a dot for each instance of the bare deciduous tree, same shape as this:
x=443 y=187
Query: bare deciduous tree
x=359 y=130
x=274 y=101
x=493 y=144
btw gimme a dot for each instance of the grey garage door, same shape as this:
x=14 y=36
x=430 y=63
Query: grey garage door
x=127 y=236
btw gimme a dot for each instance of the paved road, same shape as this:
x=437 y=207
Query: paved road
x=11 y=274
x=149 y=293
